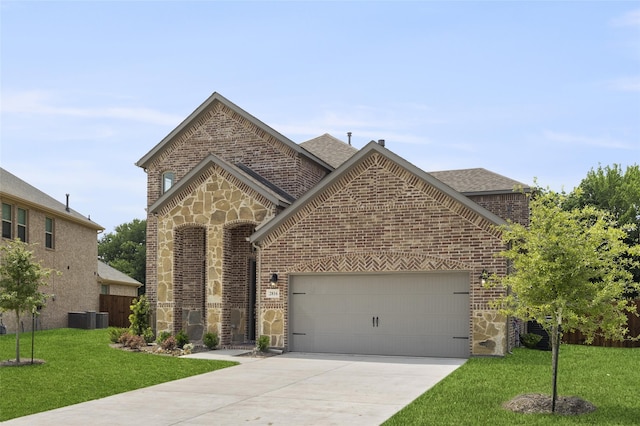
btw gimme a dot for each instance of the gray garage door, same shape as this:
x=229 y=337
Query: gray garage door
x=410 y=314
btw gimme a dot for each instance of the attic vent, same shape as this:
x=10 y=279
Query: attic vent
x=381 y=142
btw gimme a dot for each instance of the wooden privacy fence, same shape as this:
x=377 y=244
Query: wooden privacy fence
x=119 y=308
x=633 y=324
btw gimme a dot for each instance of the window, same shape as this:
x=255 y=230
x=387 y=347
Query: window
x=48 y=233
x=22 y=224
x=168 y=179
x=104 y=289
x=7 y=223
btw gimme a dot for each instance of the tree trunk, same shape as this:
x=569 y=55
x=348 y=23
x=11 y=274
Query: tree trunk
x=18 y=337
x=555 y=350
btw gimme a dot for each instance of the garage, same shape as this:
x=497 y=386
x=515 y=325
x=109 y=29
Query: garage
x=403 y=314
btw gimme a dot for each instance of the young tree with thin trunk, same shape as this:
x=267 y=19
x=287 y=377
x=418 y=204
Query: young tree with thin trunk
x=570 y=270
x=20 y=279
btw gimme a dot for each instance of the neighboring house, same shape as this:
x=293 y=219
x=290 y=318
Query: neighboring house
x=319 y=246
x=61 y=239
x=116 y=283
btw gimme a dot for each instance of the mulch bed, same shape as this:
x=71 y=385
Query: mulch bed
x=22 y=363
x=535 y=403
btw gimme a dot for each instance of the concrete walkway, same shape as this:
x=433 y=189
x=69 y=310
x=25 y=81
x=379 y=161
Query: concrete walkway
x=289 y=389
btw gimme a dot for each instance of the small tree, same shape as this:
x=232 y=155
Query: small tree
x=570 y=272
x=20 y=279
x=139 y=317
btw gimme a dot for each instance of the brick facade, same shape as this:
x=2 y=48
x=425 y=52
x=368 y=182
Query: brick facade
x=379 y=215
x=74 y=255
x=403 y=225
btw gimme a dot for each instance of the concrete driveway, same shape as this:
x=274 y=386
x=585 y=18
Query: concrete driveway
x=294 y=388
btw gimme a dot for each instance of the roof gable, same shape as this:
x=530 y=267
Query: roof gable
x=14 y=187
x=254 y=181
x=190 y=123
x=330 y=149
x=107 y=273
x=463 y=203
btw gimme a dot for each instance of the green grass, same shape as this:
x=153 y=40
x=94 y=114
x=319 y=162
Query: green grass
x=609 y=378
x=80 y=366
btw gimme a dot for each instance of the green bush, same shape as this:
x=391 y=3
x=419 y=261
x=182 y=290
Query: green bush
x=210 y=340
x=263 y=343
x=530 y=340
x=115 y=333
x=164 y=335
x=181 y=339
x=148 y=335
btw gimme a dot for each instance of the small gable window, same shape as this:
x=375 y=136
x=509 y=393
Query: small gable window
x=168 y=179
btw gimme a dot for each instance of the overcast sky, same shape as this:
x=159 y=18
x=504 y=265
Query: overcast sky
x=544 y=90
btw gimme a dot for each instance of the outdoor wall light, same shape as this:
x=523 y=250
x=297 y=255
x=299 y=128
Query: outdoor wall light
x=274 y=280
x=484 y=277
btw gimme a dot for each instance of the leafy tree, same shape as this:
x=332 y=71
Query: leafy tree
x=20 y=279
x=616 y=191
x=569 y=272
x=125 y=249
x=140 y=315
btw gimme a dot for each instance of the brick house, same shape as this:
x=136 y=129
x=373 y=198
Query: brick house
x=115 y=283
x=62 y=239
x=321 y=247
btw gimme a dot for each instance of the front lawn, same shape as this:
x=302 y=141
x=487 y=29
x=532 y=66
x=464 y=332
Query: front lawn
x=474 y=393
x=80 y=366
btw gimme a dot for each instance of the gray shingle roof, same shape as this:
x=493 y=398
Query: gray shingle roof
x=110 y=274
x=479 y=180
x=15 y=187
x=330 y=149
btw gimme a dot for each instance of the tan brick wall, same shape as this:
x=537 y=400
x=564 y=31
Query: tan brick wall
x=379 y=217
x=76 y=256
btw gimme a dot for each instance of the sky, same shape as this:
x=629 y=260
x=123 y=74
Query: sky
x=535 y=91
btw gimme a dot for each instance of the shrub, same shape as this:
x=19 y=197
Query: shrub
x=148 y=335
x=530 y=340
x=263 y=343
x=181 y=339
x=115 y=333
x=140 y=314
x=124 y=338
x=210 y=340
x=136 y=342
x=188 y=348
x=164 y=335
x=169 y=344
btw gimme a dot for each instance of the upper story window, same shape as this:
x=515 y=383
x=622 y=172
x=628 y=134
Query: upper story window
x=22 y=224
x=48 y=233
x=7 y=221
x=168 y=179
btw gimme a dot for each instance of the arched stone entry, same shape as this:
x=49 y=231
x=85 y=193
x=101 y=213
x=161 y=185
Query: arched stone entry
x=239 y=285
x=189 y=281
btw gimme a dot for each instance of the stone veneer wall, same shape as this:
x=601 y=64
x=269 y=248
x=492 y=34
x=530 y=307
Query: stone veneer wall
x=380 y=217
x=216 y=203
x=221 y=131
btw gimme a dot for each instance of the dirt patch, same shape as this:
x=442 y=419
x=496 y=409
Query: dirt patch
x=536 y=403
x=22 y=363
